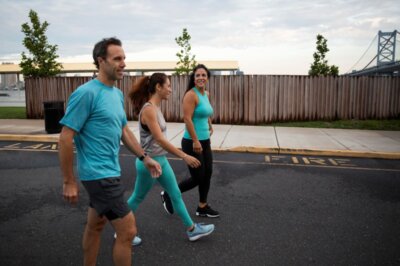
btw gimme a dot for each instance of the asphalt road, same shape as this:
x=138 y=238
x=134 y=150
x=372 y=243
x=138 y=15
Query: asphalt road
x=275 y=210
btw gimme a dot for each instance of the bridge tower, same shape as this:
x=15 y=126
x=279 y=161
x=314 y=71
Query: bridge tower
x=386 y=47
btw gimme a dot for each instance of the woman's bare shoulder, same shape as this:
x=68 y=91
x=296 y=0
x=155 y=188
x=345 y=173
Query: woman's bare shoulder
x=190 y=96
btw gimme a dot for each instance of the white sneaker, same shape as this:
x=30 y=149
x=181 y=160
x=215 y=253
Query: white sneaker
x=135 y=242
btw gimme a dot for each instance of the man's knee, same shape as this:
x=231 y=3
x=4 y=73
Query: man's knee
x=127 y=234
x=96 y=224
x=131 y=232
x=125 y=228
x=96 y=228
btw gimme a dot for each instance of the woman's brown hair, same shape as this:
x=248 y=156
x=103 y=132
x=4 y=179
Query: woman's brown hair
x=142 y=90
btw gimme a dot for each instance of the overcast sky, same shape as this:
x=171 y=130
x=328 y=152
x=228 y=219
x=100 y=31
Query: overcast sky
x=264 y=36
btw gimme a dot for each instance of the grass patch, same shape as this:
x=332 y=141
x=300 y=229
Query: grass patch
x=12 y=113
x=388 y=124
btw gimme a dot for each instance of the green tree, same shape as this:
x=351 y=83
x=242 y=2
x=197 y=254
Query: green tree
x=186 y=60
x=320 y=65
x=41 y=59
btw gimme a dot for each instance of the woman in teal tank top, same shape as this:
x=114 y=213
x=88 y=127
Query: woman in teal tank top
x=146 y=97
x=197 y=112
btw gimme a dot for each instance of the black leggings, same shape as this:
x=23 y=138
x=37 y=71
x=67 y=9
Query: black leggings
x=200 y=176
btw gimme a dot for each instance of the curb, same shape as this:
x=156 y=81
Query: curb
x=344 y=153
x=314 y=152
x=248 y=149
x=42 y=138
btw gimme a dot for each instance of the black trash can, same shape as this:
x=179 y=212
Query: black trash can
x=53 y=112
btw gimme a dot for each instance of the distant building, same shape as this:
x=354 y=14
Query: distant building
x=8 y=81
x=132 y=68
x=11 y=77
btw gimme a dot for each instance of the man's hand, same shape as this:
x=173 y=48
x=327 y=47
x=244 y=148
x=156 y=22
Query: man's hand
x=153 y=166
x=70 y=192
x=66 y=155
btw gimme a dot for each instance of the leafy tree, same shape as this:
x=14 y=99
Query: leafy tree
x=320 y=65
x=186 y=61
x=41 y=60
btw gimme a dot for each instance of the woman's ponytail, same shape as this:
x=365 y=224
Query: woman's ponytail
x=139 y=94
x=143 y=89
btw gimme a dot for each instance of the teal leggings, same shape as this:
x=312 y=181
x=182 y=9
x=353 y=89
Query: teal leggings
x=144 y=182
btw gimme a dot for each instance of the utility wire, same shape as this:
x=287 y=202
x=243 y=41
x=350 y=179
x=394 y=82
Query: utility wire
x=373 y=40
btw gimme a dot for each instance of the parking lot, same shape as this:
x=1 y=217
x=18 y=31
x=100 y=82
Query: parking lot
x=275 y=210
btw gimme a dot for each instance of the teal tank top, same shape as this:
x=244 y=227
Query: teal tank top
x=202 y=112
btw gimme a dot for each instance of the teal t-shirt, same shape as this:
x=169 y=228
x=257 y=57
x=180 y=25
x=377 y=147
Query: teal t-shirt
x=96 y=113
x=202 y=112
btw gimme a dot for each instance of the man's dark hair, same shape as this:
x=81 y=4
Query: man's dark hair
x=100 y=48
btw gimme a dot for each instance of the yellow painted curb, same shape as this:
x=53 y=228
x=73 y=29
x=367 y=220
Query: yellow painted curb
x=248 y=149
x=339 y=153
x=343 y=153
x=41 y=138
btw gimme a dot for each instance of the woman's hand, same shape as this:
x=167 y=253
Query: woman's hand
x=197 y=146
x=191 y=161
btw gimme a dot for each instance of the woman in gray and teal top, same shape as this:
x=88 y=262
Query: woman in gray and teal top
x=146 y=96
x=197 y=112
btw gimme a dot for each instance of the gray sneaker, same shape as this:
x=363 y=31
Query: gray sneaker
x=200 y=230
x=135 y=242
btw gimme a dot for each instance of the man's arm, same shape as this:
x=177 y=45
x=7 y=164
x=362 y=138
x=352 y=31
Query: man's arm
x=66 y=156
x=129 y=140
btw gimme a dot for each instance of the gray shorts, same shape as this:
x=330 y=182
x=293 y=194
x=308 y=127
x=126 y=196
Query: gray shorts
x=107 y=197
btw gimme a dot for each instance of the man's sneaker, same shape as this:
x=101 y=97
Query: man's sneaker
x=166 y=200
x=199 y=231
x=207 y=212
x=135 y=242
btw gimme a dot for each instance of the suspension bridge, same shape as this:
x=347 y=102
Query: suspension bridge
x=381 y=57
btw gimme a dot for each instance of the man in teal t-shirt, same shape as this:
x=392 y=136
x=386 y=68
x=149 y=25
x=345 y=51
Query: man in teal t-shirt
x=95 y=120
x=96 y=112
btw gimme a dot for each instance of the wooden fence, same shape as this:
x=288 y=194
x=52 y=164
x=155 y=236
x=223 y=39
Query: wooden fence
x=254 y=99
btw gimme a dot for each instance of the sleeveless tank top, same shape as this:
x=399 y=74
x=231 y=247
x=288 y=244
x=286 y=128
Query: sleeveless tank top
x=148 y=143
x=202 y=112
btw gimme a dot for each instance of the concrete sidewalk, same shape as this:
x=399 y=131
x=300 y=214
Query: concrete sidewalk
x=258 y=139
